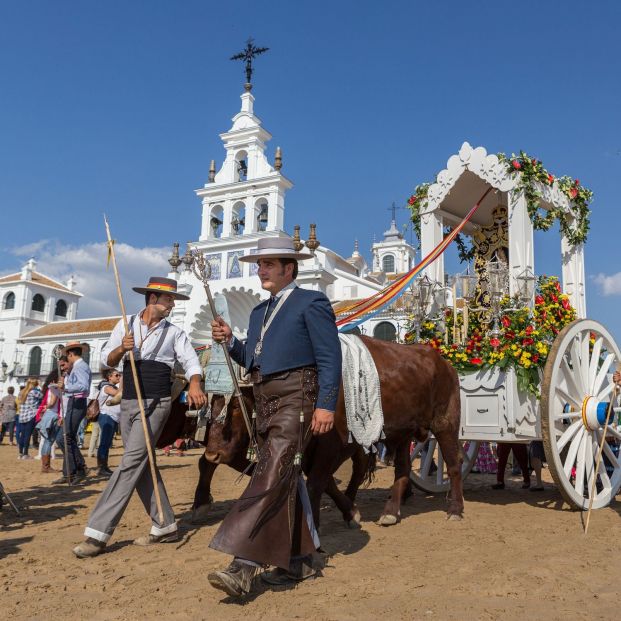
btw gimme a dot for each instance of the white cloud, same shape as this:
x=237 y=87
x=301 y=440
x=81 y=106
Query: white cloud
x=609 y=285
x=87 y=264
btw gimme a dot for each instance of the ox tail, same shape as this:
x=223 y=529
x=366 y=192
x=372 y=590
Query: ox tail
x=369 y=474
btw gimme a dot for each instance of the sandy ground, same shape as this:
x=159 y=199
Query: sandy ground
x=516 y=555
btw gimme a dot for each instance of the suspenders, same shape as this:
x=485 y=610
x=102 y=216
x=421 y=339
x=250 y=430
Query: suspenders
x=159 y=343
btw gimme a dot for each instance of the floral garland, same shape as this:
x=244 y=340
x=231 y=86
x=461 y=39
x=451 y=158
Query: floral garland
x=574 y=226
x=524 y=341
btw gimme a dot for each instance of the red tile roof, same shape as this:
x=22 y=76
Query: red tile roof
x=68 y=328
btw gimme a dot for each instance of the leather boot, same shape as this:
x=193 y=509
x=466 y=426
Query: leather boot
x=102 y=468
x=235 y=580
x=45 y=464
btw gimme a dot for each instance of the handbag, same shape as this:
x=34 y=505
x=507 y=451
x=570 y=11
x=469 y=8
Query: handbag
x=42 y=407
x=92 y=409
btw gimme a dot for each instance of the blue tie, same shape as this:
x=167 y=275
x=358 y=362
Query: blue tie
x=270 y=307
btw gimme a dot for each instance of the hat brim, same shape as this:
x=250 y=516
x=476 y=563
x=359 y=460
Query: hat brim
x=144 y=290
x=253 y=258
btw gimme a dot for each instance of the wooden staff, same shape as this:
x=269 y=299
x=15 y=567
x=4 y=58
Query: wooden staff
x=599 y=455
x=58 y=352
x=132 y=363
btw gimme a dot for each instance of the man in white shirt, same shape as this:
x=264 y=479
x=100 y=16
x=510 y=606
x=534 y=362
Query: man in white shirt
x=156 y=344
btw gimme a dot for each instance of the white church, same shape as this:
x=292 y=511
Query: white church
x=241 y=202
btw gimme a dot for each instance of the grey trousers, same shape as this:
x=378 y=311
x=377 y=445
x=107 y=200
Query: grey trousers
x=134 y=473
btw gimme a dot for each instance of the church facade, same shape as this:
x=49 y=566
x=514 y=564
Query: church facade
x=241 y=202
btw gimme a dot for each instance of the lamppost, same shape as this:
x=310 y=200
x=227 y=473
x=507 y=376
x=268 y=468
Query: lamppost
x=498 y=279
x=525 y=286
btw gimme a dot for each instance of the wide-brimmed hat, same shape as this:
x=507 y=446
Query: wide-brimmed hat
x=74 y=345
x=275 y=248
x=159 y=284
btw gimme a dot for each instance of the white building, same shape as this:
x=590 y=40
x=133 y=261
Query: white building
x=242 y=202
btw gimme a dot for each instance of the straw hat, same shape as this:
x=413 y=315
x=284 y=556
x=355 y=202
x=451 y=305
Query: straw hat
x=159 y=284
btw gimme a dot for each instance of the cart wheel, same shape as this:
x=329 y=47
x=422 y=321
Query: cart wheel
x=428 y=468
x=575 y=394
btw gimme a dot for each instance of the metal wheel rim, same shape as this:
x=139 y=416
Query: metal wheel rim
x=438 y=481
x=575 y=370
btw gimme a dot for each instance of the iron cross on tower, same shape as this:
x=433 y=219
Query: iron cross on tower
x=248 y=55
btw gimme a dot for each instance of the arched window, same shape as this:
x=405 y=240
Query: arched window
x=38 y=303
x=385 y=331
x=9 y=301
x=388 y=263
x=34 y=362
x=61 y=308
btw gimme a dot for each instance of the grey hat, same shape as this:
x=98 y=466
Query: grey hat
x=275 y=248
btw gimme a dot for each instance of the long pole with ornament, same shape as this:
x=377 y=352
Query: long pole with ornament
x=132 y=363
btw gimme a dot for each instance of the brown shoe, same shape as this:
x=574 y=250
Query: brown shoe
x=149 y=540
x=89 y=548
x=235 y=580
x=45 y=464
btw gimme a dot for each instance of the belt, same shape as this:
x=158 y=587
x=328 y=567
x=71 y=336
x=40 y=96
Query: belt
x=78 y=395
x=256 y=377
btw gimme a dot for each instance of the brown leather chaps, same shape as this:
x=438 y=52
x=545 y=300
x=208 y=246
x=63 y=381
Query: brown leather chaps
x=267 y=524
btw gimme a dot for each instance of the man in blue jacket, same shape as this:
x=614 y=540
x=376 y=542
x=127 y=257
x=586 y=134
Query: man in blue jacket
x=293 y=354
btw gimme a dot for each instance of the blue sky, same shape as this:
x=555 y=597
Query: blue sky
x=117 y=106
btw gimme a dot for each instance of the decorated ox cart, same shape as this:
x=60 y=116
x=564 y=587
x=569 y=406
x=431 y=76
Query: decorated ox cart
x=531 y=365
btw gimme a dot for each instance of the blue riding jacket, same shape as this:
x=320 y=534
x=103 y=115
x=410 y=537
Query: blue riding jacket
x=302 y=334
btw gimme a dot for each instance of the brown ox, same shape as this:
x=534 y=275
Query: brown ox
x=420 y=393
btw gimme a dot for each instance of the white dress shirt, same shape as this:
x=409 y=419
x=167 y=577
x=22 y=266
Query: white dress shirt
x=164 y=342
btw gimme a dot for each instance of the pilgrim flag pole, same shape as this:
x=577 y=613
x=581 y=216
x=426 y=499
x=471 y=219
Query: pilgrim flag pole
x=132 y=362
x=599 y=453
x=57 y=353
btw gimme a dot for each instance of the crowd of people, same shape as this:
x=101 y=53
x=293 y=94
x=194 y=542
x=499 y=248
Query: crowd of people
x=54 y=416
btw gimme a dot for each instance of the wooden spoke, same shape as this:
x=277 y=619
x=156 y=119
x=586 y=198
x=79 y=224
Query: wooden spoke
x=572 y=454
x=572 y=383
x=601 y=374
x=594 y=364
x=569 y=433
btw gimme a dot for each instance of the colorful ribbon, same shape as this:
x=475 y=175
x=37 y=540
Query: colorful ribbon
x=371 y=306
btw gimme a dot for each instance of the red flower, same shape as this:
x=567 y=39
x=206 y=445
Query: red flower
x=529 y=330
x=557 y=286
x=577 y=181
x=539 y=299
x=494 y=342
x=516 y=165
x=506 y=322
x=534 y=161
x=535 y=358
x=510 y=334
x=476 y=361
x=573 y=192
x=554 y=297
x=412 y=200
x=527 y=341
x=550 y=179
x=566 y=304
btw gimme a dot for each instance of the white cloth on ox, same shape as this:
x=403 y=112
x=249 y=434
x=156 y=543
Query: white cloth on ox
x=361 y=388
